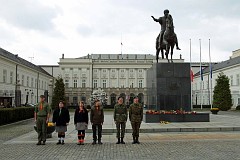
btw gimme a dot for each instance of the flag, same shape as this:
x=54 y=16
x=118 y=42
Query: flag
x=210 y=70
x=191 y=75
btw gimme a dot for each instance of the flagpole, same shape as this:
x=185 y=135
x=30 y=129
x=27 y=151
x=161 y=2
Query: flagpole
x=191 y=74
x=210 y=73
x=201 y=74
x=121 y=44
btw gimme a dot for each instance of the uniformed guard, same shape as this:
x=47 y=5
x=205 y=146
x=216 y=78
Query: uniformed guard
x=135 y=116
x=41 y=117
x=120 y=119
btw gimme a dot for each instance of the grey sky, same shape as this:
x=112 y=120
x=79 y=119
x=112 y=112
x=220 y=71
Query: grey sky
x=46 y=29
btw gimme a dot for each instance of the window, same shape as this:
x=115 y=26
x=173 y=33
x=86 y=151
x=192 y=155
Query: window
x=131 y=70
x=42 y=84
x=122 y=70
x=95 y=70
x=122 y=83
x=237 y=80
x=27 y=81
x=231 y=80
x=32 y=82
x=238 y=101
x=4 y=76
x=22 y=80
x=104 y=70
x=66 y=83
x=67 y=75
x=140 y=83
x=140 y=70
x=131 y=83
x=94 y=83
x=104 y=83
x=74 y=83
x=113 y=83
x=83 y=83
x=11 y=77
x=113 y=70
x=45 y=86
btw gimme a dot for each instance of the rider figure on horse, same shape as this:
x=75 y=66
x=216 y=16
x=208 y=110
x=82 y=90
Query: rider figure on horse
x=163 y=22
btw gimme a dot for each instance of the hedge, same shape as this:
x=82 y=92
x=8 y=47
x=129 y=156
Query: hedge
x=10 y=115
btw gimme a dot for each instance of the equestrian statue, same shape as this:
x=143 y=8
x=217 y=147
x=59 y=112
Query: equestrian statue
x=166 y=39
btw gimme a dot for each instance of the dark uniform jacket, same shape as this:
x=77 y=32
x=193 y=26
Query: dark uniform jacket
x=80 y=116
x=136 y=112
x=120 y=113
x=97 y=115
x=61 y=119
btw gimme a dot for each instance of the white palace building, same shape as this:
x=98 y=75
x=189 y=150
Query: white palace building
x=21 y=82
x=230 y=68
x=116 y=74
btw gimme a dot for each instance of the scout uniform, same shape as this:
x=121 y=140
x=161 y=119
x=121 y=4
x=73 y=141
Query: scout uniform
x=136 y=116
x=120 y=117
x=42 y=109
x=97 y=119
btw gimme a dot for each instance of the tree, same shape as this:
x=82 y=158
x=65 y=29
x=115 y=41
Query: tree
x=58 y=93
x=222 y=97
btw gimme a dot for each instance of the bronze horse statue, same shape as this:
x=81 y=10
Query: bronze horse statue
x=168 y=42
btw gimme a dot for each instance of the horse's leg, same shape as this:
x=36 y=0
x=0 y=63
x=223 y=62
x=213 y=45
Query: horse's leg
x=157 y=54
x=172 y=52
x=162 y=53
x=167 y=51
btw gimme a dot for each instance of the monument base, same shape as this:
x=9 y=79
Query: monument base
x=156 y=118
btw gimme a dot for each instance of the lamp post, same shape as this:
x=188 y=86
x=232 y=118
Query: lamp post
x=50 y=90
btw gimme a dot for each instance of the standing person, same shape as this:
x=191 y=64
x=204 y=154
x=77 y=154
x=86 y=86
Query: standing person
x=120 y=119
x=136 y=116
x=61 y=117
x=41 y=117
x=97 y=119
x=81 y=122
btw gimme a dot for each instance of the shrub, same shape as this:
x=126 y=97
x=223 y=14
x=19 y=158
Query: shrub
x=222 y=97
x=238 y=107
x=10 y=115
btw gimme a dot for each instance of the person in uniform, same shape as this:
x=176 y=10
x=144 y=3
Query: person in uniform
x=136 y=116
x=81 y=122
x=61 y=117
x=120 y=119
x=41 y=117
x=97 y=119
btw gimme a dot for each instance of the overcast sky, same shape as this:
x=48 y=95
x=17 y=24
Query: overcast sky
x=47 y=28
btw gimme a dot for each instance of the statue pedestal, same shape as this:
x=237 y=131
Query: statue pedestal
x=169 y=87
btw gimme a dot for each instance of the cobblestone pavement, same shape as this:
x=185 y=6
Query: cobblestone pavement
x=18 y=141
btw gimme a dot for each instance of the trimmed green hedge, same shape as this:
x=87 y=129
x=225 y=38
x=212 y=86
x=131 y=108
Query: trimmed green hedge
x=238 y=107
x=10 y=115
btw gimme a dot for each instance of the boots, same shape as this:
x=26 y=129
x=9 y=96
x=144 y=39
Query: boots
x=137 y=140
x=118 y=142
x=134 y=140
x=94 y=142
x=99 y=141
x=122 y=141
x=59 y=142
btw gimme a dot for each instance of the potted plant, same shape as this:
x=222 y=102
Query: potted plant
x=214 y=110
